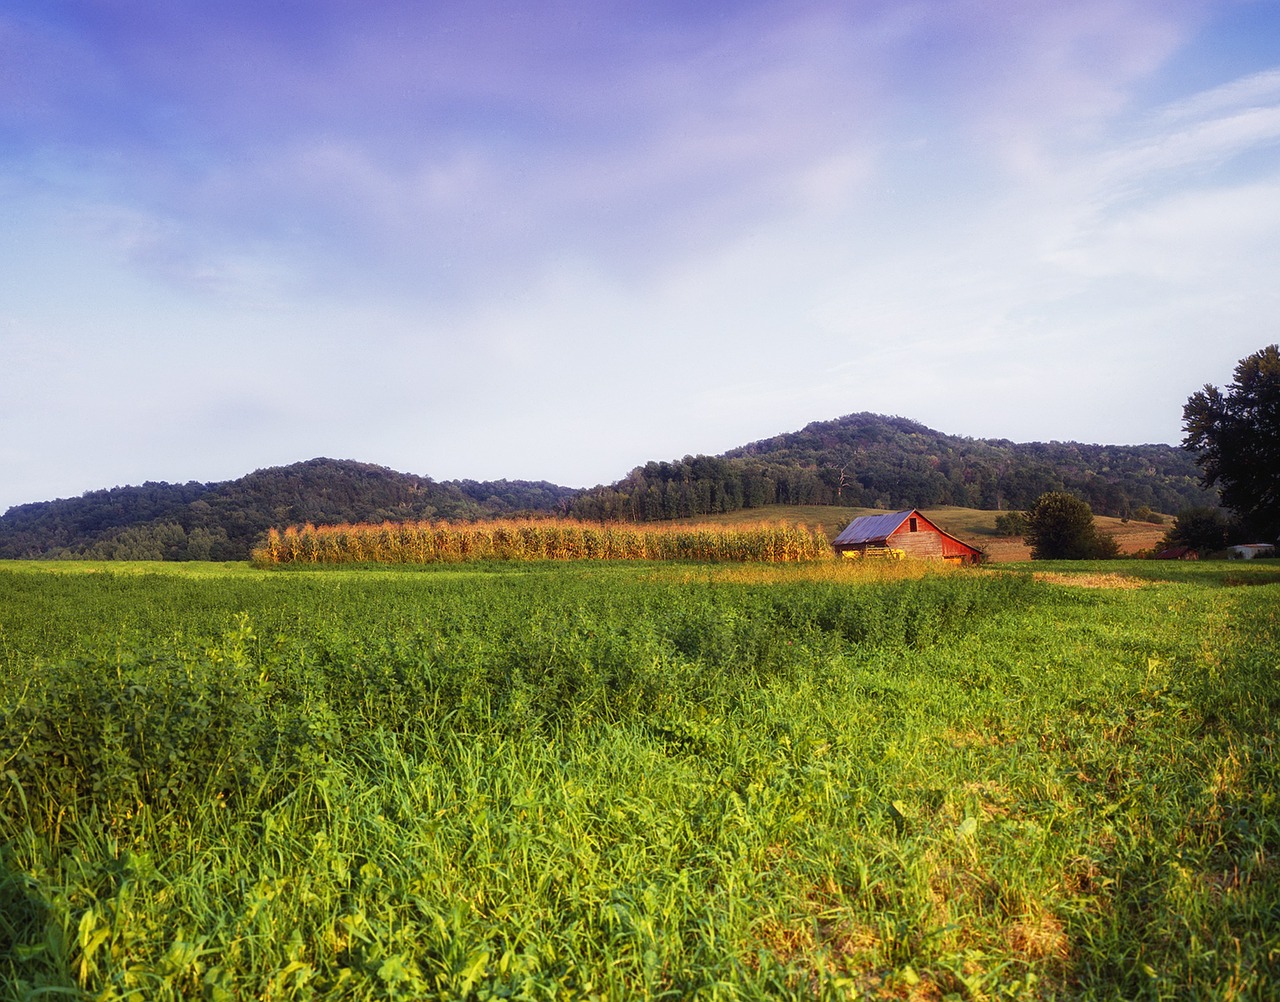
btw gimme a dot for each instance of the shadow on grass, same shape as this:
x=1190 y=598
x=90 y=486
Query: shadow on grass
x=33 y=951
x=1226 y=576
x=1205 y=573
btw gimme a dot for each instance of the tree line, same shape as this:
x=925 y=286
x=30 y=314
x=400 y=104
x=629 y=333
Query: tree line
x=1235 y=436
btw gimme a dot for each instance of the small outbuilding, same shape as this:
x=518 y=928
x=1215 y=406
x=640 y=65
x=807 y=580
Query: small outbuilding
x=1178 y=553
x=902 y=534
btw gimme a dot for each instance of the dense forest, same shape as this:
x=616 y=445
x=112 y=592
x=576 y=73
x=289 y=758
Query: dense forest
x=868 y=460
x=862 y=460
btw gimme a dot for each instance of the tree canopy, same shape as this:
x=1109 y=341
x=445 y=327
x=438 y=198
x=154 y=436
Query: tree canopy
x=1237 y=436
x=1202 y=528
x=1060 y=527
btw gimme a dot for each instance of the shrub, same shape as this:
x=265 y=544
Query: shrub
x=1143 y=513
x=1012 y=523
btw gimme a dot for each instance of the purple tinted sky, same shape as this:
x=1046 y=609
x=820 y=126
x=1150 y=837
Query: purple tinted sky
x=555 y=240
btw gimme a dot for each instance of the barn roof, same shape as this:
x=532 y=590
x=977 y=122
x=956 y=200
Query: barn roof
x=869 y=528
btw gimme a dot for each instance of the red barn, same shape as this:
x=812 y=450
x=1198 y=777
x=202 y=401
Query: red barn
x=902 y=533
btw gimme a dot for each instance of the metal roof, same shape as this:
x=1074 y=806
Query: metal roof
x=870 y=528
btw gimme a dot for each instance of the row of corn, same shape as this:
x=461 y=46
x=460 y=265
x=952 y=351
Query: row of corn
x=541 y=539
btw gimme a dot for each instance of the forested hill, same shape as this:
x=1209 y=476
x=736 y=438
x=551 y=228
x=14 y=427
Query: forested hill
x=858 y=460
x=221 y=521
x=890 y=462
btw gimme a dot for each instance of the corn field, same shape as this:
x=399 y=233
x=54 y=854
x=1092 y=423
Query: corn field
x=539 y=539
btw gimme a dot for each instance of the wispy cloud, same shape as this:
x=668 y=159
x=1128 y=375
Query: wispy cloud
x=585 y=234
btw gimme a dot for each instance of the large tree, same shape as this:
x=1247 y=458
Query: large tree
x=1060 y=527
x=1237 y=436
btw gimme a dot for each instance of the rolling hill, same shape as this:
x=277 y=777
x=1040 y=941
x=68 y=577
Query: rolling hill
x=857 y=461
x=221 y=521
x=872 y=461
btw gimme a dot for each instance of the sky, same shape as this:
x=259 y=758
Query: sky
x=552 y=241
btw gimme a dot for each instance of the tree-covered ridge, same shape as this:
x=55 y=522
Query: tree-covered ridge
x=869 y=460
x=222 y=521
x=861 y=460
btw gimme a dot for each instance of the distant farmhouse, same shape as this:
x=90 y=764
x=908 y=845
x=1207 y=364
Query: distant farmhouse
x=902 y=533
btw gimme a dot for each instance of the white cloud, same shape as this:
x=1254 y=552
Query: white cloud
x=1256 y=90
x=551 y=250
x=1193 y=239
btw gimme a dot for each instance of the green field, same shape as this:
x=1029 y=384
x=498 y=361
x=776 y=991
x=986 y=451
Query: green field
x=640 y=781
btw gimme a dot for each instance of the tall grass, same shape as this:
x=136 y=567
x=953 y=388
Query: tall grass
x=538 y=539
x=615 y=781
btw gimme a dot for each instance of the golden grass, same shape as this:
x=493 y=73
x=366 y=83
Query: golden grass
x=852 y=572
x=1087 y=580
x=1038 y=936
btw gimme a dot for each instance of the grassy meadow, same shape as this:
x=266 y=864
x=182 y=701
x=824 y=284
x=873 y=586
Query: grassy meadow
x=640 y=780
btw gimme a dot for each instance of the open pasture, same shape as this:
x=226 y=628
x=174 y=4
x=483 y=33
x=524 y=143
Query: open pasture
x=607 y=780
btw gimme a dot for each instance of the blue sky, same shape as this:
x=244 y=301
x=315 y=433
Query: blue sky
x=556 y=240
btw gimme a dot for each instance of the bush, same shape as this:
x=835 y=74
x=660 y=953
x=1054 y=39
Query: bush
x=1143 y=513
x=1012 y=523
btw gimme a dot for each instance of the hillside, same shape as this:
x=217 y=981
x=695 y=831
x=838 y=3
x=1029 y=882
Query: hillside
x=221 y=521
x=872 y=461
x=857 y=461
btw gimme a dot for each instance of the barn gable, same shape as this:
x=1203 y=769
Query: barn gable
x=903 y=532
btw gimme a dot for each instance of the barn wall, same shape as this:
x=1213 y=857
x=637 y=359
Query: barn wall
x=924 y=543
x=928 y=542
x=952 y=548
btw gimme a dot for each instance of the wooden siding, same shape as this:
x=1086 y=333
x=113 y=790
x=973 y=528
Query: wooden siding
x=926 y=542
x=929 y=541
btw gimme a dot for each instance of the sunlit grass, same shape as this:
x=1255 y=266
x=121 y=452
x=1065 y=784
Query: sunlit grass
x=838 y=780
x=847 y=572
